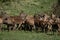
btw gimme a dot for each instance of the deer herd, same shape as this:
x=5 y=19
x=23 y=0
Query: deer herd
x=37 y=22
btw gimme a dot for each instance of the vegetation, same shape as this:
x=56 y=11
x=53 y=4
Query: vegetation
x=14 y=7
x=21 y=35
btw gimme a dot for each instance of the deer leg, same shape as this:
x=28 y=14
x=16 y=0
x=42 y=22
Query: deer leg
x=19 y=27
x=7 y=27
x=10 y=28
x=14 y=27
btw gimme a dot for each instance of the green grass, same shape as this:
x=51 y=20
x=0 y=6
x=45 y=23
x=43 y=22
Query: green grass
x=28 y=6
x=21 y=35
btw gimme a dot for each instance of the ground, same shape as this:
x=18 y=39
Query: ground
x=22 y=35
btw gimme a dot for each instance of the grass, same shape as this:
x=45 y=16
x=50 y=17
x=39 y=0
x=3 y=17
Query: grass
x=28 y=6
x=21 y=35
